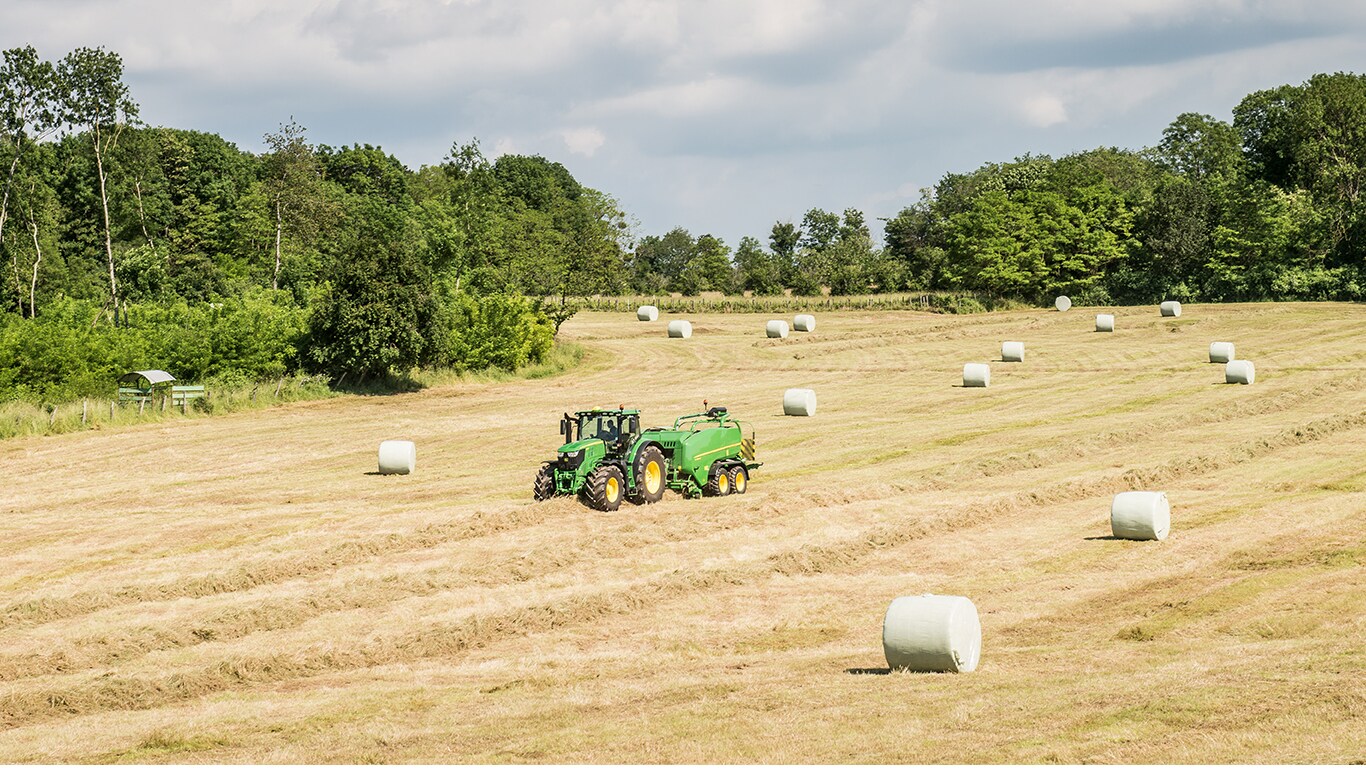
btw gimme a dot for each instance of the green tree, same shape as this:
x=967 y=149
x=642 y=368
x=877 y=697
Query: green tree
x=95 y=98
x=293 y=185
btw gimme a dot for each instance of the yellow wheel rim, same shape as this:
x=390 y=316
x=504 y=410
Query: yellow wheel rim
x=613 y=489
x=723 y=483
x=740 y=482
x=653 y=478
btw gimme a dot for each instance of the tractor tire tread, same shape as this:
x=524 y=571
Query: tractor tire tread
x=544 y=487
x=595 y=488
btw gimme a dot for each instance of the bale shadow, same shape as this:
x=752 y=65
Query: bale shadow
x=1103 y=538
x=868 y=671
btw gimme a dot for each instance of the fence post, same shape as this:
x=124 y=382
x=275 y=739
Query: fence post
x=85 y=405
x=112 y=405
x=142 y=403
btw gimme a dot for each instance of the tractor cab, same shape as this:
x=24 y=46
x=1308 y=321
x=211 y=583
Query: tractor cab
x=616 y=429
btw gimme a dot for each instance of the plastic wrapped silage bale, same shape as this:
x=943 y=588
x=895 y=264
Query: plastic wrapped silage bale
x=647 y=313
x=680 y=329
x=932 y=633
x=1220 y=351
x=1240 y=372
x=1140 y=515
x=804 y=323
x=1105 y=323
x=1012 y=351
x=1170 y=308
x=1062 y=303
x=976 y=375
x=397 y=457
x=799 y=402
x=776 y=329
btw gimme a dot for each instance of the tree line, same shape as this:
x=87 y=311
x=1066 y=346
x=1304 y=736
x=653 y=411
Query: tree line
x=117 y=236
x=1269 y=206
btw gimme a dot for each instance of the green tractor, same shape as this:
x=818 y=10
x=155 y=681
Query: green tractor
x=606 y=457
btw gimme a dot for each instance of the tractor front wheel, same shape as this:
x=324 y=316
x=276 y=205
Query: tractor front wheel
x=544 y=487
x=649 y=476
x=719 y=484
x=604 y=488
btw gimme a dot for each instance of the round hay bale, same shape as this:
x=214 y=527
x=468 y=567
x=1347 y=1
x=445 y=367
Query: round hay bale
x=1240 y=372
x=1105 y=323
x=804 y=323
x=776 y=329
x=1220 y=351
x=976 y=375
x=680 y=329
x=647 y=313
x=932 y=633
x=799 y=402
x=1170 y=308
x=1012 y=351
x=397 y=457
x=1062 y=303
x=1140 y=515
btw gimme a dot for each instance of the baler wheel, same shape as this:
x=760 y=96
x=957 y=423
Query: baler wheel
x=719 y=484
x=605 y=488
x=739 y=479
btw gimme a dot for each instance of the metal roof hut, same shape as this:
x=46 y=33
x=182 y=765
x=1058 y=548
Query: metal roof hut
x=139 y=386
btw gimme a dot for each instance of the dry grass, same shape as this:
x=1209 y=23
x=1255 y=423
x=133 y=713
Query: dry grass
x=241 y=589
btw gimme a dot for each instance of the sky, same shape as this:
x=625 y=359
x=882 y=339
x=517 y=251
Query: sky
x=721 y=117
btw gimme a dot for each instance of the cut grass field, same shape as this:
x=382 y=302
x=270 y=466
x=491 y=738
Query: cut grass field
x=244 y=589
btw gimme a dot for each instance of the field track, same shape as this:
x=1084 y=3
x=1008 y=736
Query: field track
x=243 y=589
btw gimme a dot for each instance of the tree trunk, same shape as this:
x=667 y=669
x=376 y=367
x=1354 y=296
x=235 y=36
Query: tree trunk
x=108 y=238
x=4 y=214
x=279 y=230
x=37 y=259
x=142 y=214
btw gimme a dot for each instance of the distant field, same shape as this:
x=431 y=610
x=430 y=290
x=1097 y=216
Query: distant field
x=240 y=589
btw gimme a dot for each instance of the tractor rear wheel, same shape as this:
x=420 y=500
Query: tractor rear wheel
x=649 y=476
x=739 y=479
x=604 y=488
x=544 y=487
x=719 y=484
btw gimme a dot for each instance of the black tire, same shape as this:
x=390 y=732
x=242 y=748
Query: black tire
x=649 y=484
x=604 y=488
x=739 y=479
x=544 y=487
x=719 y=482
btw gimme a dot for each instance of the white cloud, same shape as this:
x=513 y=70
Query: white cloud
x=1044 y=110
x=583 y=141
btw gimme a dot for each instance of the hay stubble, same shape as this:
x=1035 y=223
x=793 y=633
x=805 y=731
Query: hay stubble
x=216 y=608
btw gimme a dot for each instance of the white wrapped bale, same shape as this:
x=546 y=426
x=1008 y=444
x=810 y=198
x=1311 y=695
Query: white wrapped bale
x=776 y=329
x=1105 y=323
x=397 y=457
x=1012 y=351
x=647 y=313
x=804 y=323
x=1240 y=372
x=680 y=329
x=1140 y=515
x=1220 y=351
x=799 y=402
x=1170 y=308
x=932 y=633
x=1062 y=303
x=976 y=375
